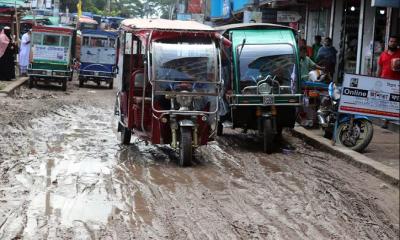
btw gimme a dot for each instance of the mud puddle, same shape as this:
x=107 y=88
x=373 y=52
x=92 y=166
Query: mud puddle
x=65 y=176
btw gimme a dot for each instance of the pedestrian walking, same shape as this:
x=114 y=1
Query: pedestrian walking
x=24 y=53
x=326 y=56
x=315 y=47
x=7 y=52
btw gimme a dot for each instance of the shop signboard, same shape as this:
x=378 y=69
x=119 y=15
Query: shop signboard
x=198 y=17
x=239 y=5
x=34 y=3
x=220 y=9
x=48 y=3
x=195 y=6
x=287 y=16
x=385 y=3
x=252 y=16
x=371 y=96
x=183 y=16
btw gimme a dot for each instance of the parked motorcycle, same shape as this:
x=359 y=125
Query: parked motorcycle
x=353 y=131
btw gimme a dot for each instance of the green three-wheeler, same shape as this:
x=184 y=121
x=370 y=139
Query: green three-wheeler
x=262 y=78
x=51 y=57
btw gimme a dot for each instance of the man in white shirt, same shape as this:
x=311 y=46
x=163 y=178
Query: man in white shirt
x=24 y=53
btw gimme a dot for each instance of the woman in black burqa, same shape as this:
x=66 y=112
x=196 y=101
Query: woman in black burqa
x=9 y=49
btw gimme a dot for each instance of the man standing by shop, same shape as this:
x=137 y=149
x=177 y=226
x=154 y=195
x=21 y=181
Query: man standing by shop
x=326 y=56
x=389 y=64
x=389 y=60
x=315 y=47
x=24 y=53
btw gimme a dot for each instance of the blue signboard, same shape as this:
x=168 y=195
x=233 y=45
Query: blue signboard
x=183 y=16
x=220 y=9
x=385 y=3
x=239 y=5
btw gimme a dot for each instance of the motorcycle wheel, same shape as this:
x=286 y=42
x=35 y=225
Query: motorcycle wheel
x=64 y=85
x=363 y=135
x=185 y=148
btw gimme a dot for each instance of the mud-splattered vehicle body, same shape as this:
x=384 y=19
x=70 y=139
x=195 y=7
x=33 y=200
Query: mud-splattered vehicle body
x=262 y=78
x=97 y=57
x=52 y=53
x=169 y=83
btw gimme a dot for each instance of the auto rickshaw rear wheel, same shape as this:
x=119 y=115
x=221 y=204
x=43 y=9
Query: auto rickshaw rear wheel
x=185 y=148
x=64 y=84
x=268 y=136
x=80 y=82
x=110 y=85
x=126 y=135
x=220 y=128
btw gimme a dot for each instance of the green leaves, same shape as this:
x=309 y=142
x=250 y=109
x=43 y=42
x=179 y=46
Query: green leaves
x=124 y=8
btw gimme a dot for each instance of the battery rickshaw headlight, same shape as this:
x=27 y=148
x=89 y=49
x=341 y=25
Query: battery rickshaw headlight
x=184 y=101
x=264 y=88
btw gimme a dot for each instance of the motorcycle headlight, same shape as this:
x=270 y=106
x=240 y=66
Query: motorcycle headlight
x=336 y=93
x=184 y=101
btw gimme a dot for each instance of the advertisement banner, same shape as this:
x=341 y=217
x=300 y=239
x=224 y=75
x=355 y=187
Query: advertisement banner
x=385 y=3
x=183 y=16
x=34 y=3
x=371 y=96
x=287 y=16
x=198 y=18
x=252 y=16
x=48 y=3
x=42 y=53
x=98 y=55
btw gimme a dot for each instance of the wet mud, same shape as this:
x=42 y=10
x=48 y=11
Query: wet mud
x=64 y=175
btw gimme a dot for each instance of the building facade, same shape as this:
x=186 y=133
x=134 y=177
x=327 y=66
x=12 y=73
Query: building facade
x=360 y=29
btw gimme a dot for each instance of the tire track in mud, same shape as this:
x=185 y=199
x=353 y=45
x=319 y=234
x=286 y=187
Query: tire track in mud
x=67 y=177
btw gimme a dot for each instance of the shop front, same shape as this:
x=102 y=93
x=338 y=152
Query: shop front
x=361 y=29
x=318 y=20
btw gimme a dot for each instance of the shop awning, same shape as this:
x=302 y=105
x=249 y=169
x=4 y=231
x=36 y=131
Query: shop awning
x=10 y=5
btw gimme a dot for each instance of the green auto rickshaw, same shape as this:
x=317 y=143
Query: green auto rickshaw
x=51 y=55
x=261 y=79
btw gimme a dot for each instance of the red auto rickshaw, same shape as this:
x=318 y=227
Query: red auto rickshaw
x=169 y=83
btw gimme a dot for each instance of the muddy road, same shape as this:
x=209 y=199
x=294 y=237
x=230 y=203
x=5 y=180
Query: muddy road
x=64 y=175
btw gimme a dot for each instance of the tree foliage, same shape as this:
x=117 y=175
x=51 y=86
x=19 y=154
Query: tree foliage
x=123 y=8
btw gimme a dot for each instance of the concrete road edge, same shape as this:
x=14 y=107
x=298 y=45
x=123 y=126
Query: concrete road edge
x=12 y=86
x=386 y=173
